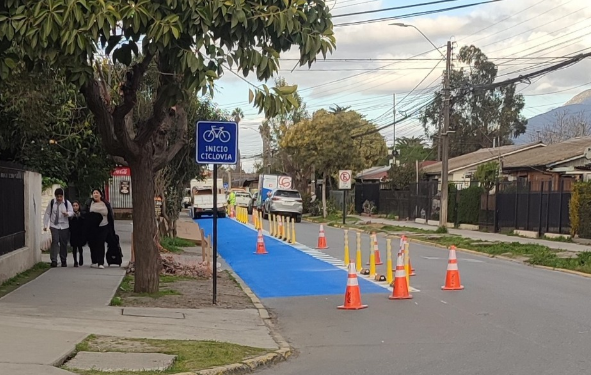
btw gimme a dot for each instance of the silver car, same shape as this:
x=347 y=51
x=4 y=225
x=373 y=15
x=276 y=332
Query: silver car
x=284 y=202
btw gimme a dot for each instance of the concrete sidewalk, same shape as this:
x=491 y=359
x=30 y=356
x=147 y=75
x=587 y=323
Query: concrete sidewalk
x=42 y=321
x=482 y=236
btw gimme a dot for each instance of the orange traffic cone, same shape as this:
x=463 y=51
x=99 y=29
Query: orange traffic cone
x=321 y=239
x=376 y=250
x=352 y=294
x=400 y=290
x=261 y=244
x=452 y=279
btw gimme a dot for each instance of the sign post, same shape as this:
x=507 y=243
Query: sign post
x=344 y=185
x=216 y=143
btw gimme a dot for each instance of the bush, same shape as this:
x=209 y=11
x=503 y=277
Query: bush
x=452 y=192
x=469 y=205
x=580 y=209
x=315 y=208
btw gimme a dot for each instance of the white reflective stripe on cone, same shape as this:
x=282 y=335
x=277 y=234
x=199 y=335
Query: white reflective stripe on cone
x=352 y=281
x=452 y=267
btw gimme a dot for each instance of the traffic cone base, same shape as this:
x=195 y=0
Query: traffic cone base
x=321 y=239
x=261 y=244
x=352 y=293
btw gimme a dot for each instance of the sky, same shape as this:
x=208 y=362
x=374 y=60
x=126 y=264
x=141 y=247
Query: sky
x=370 y=66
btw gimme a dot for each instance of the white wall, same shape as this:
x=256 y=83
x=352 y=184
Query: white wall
x=22 y=259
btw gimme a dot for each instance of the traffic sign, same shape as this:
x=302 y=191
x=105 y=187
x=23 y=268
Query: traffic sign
x=345 y=179
x=216 y=142
x=285 y=182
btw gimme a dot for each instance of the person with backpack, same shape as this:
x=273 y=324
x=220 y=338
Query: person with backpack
x=56 y=218
x=77 y=234
x=100 y=226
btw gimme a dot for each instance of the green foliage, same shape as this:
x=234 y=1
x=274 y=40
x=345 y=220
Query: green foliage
x=69 y=33
x=47 y=128
x=441 y=230
x=401 y=176
x=174 y=245
x=411 y=149
x=315 y=208
x=47 y=182
x=452 y=202
x=469 y=205
x=580 y=209
x=476 y=116
x=487 y=174
x=315 y=142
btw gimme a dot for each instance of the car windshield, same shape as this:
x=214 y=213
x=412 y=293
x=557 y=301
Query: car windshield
x=288 y=194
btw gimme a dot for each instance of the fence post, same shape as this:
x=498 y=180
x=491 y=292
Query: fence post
x=496 y=213
x=527 y=212
x=516 y=204
x=540 y=215
x=560 y=206
x=548 y=207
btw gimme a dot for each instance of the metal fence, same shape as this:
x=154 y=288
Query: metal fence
x=419 y=200
x=517 y=206
x=12 y=204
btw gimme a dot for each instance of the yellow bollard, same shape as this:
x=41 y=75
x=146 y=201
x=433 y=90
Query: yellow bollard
x=287 y=231
x=282 y=234
x=261 y=220
x=293 y=233
x=389 y=276
x=271 y=226
x=347 y=247
x=372 y=258
x=358 y=265
x=406 y=265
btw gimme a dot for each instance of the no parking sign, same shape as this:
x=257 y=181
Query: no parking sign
x=345 y=179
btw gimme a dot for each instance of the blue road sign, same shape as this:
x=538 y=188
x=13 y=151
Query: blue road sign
x=216 y=142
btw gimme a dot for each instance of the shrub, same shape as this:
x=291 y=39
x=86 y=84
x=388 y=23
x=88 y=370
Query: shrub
x=452 y=192
x=580 y=209
x=469 y=205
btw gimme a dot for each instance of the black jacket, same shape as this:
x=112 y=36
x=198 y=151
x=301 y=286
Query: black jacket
x=77 y=231
x=93 y=219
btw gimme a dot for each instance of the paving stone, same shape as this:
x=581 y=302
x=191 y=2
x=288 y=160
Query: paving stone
x=111 y=361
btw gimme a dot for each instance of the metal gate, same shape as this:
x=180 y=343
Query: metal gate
x=12 y=214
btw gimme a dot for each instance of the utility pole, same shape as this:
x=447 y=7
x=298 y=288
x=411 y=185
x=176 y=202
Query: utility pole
x=445 y=139
x=393 y=129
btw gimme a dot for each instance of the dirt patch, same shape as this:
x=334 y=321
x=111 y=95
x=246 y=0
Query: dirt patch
x=188 y=293
x=118 y=344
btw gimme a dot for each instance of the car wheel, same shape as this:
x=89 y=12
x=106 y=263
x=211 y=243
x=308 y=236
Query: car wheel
x=265 y=215
x=222 y=215
x=198 y=216
x=298 y=219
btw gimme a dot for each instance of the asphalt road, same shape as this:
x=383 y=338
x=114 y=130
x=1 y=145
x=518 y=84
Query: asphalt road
x=510 y=319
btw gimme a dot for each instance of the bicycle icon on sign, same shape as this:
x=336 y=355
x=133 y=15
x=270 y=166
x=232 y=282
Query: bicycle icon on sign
x=216 y=133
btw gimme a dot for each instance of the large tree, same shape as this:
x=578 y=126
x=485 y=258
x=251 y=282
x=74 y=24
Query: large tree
x=477 y=116
x=327 y=142
x=191 y=43
x=563 y=126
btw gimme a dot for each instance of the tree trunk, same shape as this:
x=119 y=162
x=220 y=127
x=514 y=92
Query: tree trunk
x=147 y=257
x=324 y=195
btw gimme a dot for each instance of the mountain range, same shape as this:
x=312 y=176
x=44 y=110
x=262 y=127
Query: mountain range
x=579 y=107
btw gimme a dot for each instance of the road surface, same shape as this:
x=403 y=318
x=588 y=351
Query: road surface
x=510 y=319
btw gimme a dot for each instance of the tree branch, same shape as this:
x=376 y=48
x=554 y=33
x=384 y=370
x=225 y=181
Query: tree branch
x=102 y=115
x=179 y=130
x=129 y=92
x=159 y=108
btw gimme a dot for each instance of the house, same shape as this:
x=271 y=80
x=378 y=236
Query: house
x=556 y=165
x=462 y=168
x=380 y=174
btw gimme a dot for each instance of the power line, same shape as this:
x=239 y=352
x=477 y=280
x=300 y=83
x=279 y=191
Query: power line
x=393 y=8
x=416 y=14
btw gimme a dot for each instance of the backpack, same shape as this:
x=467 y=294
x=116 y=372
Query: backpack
x=53 y=201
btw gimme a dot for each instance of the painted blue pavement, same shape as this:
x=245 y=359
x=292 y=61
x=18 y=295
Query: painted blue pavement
x=284 y=271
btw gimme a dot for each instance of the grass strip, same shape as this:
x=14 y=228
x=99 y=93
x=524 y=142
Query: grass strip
x=23 y=278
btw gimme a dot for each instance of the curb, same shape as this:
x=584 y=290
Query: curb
x=249 y=365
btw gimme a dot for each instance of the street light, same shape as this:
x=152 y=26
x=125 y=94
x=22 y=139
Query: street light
x=417 y=29
x=444 y=139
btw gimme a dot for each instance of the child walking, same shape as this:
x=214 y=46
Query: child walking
x=77 y=234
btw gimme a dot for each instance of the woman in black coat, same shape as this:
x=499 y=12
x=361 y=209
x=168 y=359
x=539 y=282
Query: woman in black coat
x=77 y=234
x=100 y=226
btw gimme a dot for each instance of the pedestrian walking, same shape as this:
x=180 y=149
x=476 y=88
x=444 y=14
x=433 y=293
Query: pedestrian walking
x=56 y=219
x=100 y=225
x=77 y=234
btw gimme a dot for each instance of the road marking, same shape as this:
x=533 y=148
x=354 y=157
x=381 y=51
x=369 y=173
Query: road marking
x=431 y=258
x=442 y=301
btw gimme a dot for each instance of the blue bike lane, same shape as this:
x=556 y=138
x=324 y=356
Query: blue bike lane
x=285 y=271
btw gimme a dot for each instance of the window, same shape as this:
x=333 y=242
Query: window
x=288 y=194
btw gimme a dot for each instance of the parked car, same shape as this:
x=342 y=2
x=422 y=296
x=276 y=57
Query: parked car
x=285 y=202
x=242 y=198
